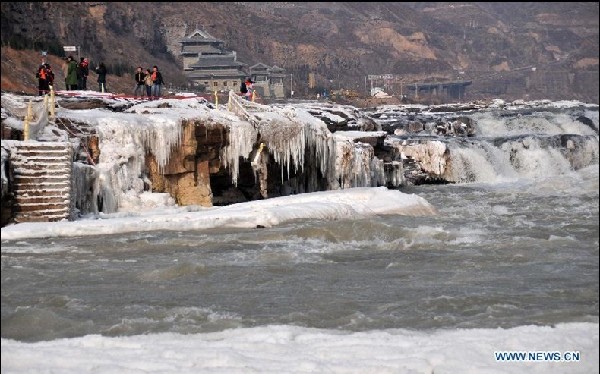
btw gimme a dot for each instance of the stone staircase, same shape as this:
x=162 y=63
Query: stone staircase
x=41 y=181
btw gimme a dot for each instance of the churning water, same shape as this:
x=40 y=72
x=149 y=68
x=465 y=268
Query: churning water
x=495 y=255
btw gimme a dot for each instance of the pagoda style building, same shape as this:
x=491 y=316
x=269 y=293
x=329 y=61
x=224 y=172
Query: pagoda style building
x=268 y=81
x=209 y=66
x=206 y=63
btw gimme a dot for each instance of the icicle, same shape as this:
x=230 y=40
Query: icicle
x=123 y=148
x=357 y=166
x=84 y=177
x=242 y=137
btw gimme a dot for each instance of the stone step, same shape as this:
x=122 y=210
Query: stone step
x=25 y=182
x=33 y=160
x=42 y=151
x=35 y=201
x=42 y=147
x=42 y=208
x=32 y=184
x=40 y=171
x=34 y=192
x=19 y=218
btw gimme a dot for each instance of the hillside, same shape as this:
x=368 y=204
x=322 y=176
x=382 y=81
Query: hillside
x=509 y=50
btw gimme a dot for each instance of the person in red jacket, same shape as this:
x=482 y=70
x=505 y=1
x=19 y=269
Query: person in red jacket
x=45 y=78
x=83 y=71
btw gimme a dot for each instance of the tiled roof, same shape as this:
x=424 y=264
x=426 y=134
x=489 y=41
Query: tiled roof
x=200 y=35
x=216 y=60
x=215 y=75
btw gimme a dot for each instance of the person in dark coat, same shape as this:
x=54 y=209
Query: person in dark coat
x=249 y=89
x=101 y=71
x=82 y=74
x=139 y=82
x=49 y=76
x=157 y=82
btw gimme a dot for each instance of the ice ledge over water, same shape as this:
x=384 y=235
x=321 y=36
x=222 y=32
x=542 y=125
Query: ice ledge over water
x=352 y=203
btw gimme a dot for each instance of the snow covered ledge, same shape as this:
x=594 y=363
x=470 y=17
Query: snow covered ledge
x=351 y=203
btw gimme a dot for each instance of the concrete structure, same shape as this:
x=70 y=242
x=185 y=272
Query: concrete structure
x=268 y=81
x=396 y=85
x=208 y=65
x=454 y=90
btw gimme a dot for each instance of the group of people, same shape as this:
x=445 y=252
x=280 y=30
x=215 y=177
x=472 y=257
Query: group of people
x=76 y=75
x=148 y=83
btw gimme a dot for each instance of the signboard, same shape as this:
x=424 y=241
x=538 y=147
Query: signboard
x=70 y=48
x=381 y=76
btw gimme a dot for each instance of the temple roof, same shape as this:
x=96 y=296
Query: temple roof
x=200 y=35
x=215 y=75
x=216 y=61
x=259 y=66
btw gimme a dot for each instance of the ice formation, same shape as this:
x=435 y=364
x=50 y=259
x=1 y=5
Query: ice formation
x=289 y=134
x=357 y=166
x=298 y=139
x=293 y=136
x=36 y=109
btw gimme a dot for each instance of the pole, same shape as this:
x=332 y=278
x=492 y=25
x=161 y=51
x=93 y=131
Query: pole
x=291 y=85
x=26 y=123
x=52 y=98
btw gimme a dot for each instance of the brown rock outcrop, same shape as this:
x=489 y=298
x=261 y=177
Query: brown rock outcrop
x=186 y=176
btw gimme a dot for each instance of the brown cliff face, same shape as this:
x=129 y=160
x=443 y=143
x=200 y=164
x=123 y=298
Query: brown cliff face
x=516 y=50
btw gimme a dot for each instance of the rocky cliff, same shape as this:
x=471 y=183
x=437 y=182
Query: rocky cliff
x=511 y=50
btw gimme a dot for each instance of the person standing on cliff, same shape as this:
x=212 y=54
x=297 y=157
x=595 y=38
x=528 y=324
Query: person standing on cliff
x=148 y=83
x=139 y=83
x=249 y=89
x=101 y=71
x=43 y=79
x=71 y=77
x=82 y=74
x=157 y=82
x=243 y=88
x=49 y=76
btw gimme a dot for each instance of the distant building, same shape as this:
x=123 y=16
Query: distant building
x=268 y=81
x=206 y=63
